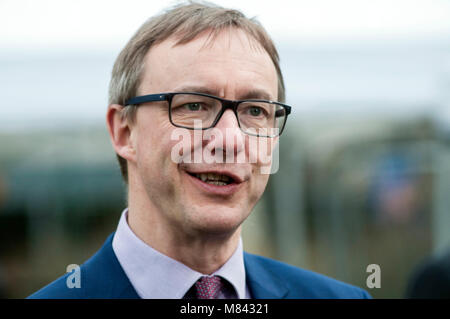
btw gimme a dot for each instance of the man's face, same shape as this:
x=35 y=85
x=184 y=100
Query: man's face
x=231 y=67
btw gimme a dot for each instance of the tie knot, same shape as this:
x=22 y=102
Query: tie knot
x=208 y=287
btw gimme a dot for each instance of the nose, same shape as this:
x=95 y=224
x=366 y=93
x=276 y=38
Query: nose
x=232 y=137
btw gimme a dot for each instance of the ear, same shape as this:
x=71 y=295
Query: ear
x=120 y=132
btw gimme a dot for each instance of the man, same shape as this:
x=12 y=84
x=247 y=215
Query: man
x=431 y=278
x=209 y=75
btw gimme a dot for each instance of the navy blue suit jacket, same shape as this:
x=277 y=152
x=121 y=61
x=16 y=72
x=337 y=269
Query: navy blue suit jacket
x=103 y=277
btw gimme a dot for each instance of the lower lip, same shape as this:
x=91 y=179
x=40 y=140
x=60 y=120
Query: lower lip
x=225 y=190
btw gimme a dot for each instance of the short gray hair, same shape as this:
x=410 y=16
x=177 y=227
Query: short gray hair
x=186 y=21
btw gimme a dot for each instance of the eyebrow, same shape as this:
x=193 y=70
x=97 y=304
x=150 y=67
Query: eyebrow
x=256 y=94
x=248 y=95
x=196 y=89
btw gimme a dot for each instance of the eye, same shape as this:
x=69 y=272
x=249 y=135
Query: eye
x=193 y=106
x=255 y=111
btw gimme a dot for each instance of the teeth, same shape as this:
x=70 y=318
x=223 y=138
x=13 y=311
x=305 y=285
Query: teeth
x=215 y=179
x=219 y=183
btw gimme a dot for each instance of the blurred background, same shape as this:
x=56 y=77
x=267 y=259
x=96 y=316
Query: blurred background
x=364 y=172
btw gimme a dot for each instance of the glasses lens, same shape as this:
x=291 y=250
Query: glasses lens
x=188 y=109
x=261 y=118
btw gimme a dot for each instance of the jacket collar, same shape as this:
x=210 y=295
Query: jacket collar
x=105 y=275
x=263 y=283
x=106 y=272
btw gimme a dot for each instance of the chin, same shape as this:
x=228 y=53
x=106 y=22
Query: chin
x=217 y=220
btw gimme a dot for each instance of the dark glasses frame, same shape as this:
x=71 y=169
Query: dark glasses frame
x=226 y=104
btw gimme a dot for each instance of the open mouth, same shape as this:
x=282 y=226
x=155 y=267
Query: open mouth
x=214 y=179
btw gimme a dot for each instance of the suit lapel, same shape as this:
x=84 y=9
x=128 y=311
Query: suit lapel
x=106 y=277
x=262 y=282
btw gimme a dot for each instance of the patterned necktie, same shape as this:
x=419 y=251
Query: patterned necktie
x=208 y=287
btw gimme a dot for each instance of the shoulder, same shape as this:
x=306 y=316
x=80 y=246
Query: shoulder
x=302 y=283
x=60 y=289
x=431 y=279
x=101 y=276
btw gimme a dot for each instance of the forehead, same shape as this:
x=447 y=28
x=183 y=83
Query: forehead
x=227 y=63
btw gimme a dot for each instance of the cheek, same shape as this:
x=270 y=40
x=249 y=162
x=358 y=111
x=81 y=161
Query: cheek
x=153 y=134
x=258 y=185
x=153 y=150
x=261 y=182
x=260 y=150
x=155 y=167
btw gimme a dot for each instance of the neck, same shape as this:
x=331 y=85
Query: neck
x=200 y=250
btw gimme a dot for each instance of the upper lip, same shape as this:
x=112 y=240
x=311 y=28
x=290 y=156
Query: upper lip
x=236 y=178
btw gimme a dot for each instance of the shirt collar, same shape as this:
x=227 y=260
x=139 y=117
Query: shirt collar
x=155 y=275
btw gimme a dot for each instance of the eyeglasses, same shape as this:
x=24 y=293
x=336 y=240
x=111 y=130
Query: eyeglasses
x=255 y=117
